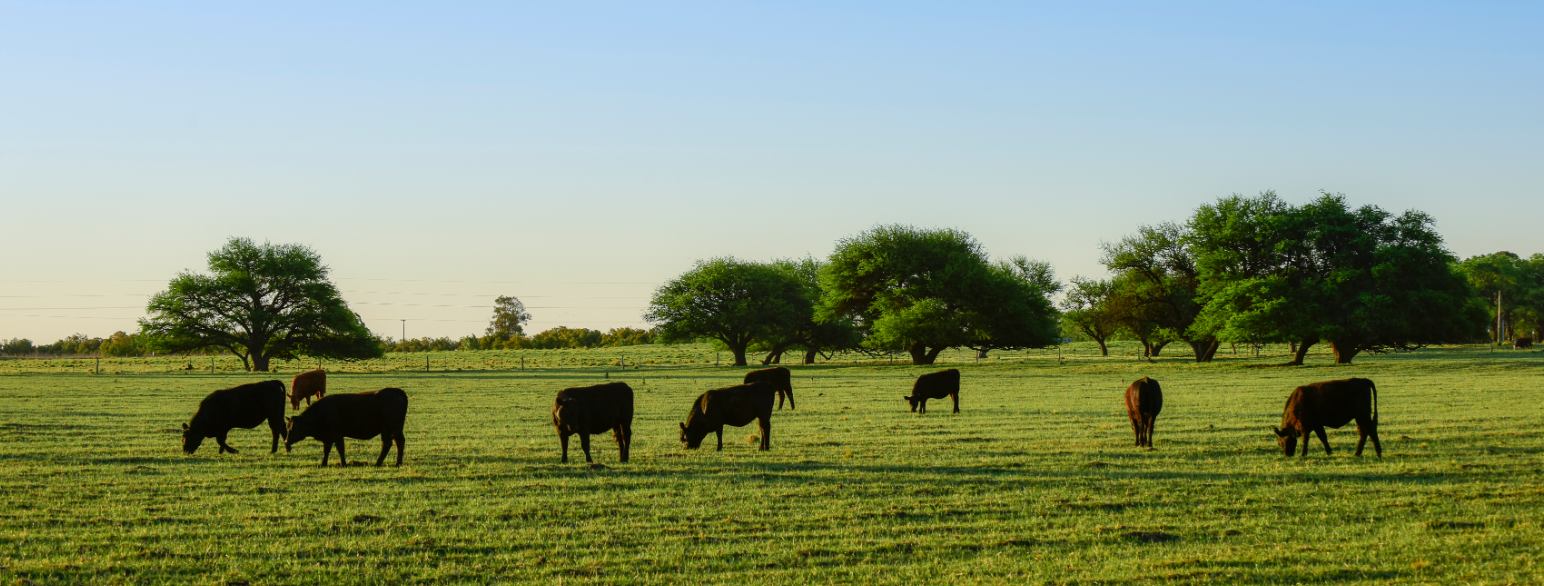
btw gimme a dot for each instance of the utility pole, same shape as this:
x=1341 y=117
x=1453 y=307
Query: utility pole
x=404 y=331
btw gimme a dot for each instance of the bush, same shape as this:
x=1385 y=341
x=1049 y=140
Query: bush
x=564 y=337
x=16 y=346
x=627 y=337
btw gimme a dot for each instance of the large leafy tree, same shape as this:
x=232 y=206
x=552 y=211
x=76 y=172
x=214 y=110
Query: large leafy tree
x=735 y=302
x=1092 y=307
x=259 y=302
x=1511 y=289
x=806 y=334
x=1362 y=279
x=1156 y=275
x=924 y=291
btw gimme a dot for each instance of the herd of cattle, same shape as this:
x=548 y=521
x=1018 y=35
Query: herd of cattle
x=609 y=407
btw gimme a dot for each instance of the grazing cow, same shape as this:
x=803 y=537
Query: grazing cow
x=306 y=385
x=737 y=406
x=1522 y=343
x=595 y=409
x=353 y=415
x=244 y=406
x=935 y=385
x=1144 y=399
x=1311 y=408
x=780 y=379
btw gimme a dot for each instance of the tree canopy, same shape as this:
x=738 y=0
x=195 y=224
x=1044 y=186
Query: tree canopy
x=924 y=291
x=259 y=302
x=735 y=302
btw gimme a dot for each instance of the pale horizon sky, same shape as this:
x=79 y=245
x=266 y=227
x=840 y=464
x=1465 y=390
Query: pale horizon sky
x=577 y=155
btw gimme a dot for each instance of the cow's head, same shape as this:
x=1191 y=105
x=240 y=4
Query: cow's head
x=296 y=428
x=1287 y=439
x=913 y=401
x=190 y=440
x=691 y=437
x=565 y=408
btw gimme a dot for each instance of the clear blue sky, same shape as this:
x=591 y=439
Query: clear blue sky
x=577 y=154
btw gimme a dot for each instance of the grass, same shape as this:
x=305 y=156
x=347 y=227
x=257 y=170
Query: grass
x=1035 y=482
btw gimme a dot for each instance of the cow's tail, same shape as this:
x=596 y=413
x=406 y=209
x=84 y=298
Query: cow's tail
x=1374 y=401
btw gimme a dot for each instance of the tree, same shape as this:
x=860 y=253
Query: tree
x=509 y=317
x=1091 y=307
x=1362 y=279
x=925 y=291
x=806 y=333
x=1510 y=289
x=735 y=302
x=1157 y=277
x=258 y=303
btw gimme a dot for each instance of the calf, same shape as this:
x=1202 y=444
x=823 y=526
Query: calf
x=737 y=406
x=311 y=383
x=935 y=385
x=359 y=416
x=779 y=378
x=595 y=409
x=1311 y=408
x=1143 y=402
x=244 y=406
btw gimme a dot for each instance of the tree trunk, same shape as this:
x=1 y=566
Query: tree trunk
x=920 y=354
x=259 y=363
x=809 y=356
x=1212 y=351
x=1147 y=349
x=1159 y=347
x=932 y=355
x=1204 y=349
x=1299 y=352
x=1344 y=352
x=1103 y=351
x=739 y=355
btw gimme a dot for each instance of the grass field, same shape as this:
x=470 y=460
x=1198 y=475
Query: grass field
x=1035 y=482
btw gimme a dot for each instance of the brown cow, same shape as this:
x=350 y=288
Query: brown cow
x=1522 y=343
x=595 y=409
x=306 y=385
x=242 y=406
x=1311 y=408
x=935 y=385
x=780 y=379
x=737 y=406
x=1144 y=399
x=353 y=415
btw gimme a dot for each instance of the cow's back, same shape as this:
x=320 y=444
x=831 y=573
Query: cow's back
x=308 y=382
x=1329 y=403
x=241 y=406
x=937 y=385
x=737 y=405
x=779 y=377
x=359 y=415
x=1144 y=396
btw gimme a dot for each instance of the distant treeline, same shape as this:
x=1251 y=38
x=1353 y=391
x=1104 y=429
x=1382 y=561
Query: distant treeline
x=554 y=339
x=119 y=344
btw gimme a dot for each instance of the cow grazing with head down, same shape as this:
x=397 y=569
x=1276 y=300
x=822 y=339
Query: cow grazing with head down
x=243 y=406
x=779 y=378
x=1144 y=399
x=311 y=383
x=595 y=409
x=737 y=406
x=1311 y=408
x=935 y=385
x=358 y=416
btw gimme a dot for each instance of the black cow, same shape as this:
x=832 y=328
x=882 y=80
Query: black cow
x=737 y=406
x=353 y=415
x=1311 y=408
x=1522 y=343
x=779 y=378
x=595 y=409
x=1144 y=399
x=935 y=385
x=244 y=406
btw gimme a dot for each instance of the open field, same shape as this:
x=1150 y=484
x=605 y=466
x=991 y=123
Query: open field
x=1035 y=482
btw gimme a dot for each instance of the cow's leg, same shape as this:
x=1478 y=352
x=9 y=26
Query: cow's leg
x=766 y=433
x=624 y=437
x=584 y=442
x=276 y=425
x=1372 y=431
x=1323 y=439
x=922 y=405
x=326 y=451
x=223 y=446
x=563 y=439
x=720 y=433
x=790 y=400
x=342 y=460
x=401 y=443
x=1361 y=437
x=780 y=398
x=1303 y=433
x=385 y=447
x=1136 y=428
x=956 y=397
x=1147 y=430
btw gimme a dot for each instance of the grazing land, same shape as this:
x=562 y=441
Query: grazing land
x=1036 y=481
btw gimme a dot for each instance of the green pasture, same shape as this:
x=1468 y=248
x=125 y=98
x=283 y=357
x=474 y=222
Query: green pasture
x=1035 y=482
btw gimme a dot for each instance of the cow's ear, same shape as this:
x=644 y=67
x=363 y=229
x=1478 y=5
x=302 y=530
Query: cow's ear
x=184 y=427
x=1279 y=433
x=683 y=427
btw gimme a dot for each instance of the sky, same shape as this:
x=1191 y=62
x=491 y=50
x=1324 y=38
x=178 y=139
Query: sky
x=579 y=154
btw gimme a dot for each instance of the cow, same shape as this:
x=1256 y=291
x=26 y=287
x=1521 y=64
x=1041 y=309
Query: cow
x=737 y=406
x=780 y=379
x=1522 y=344
x=306 y=385
x=242 y=406
x=1144 y=399
x=353 y=415
x=1311 y=408
x=595 y=409
x=935 y=385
